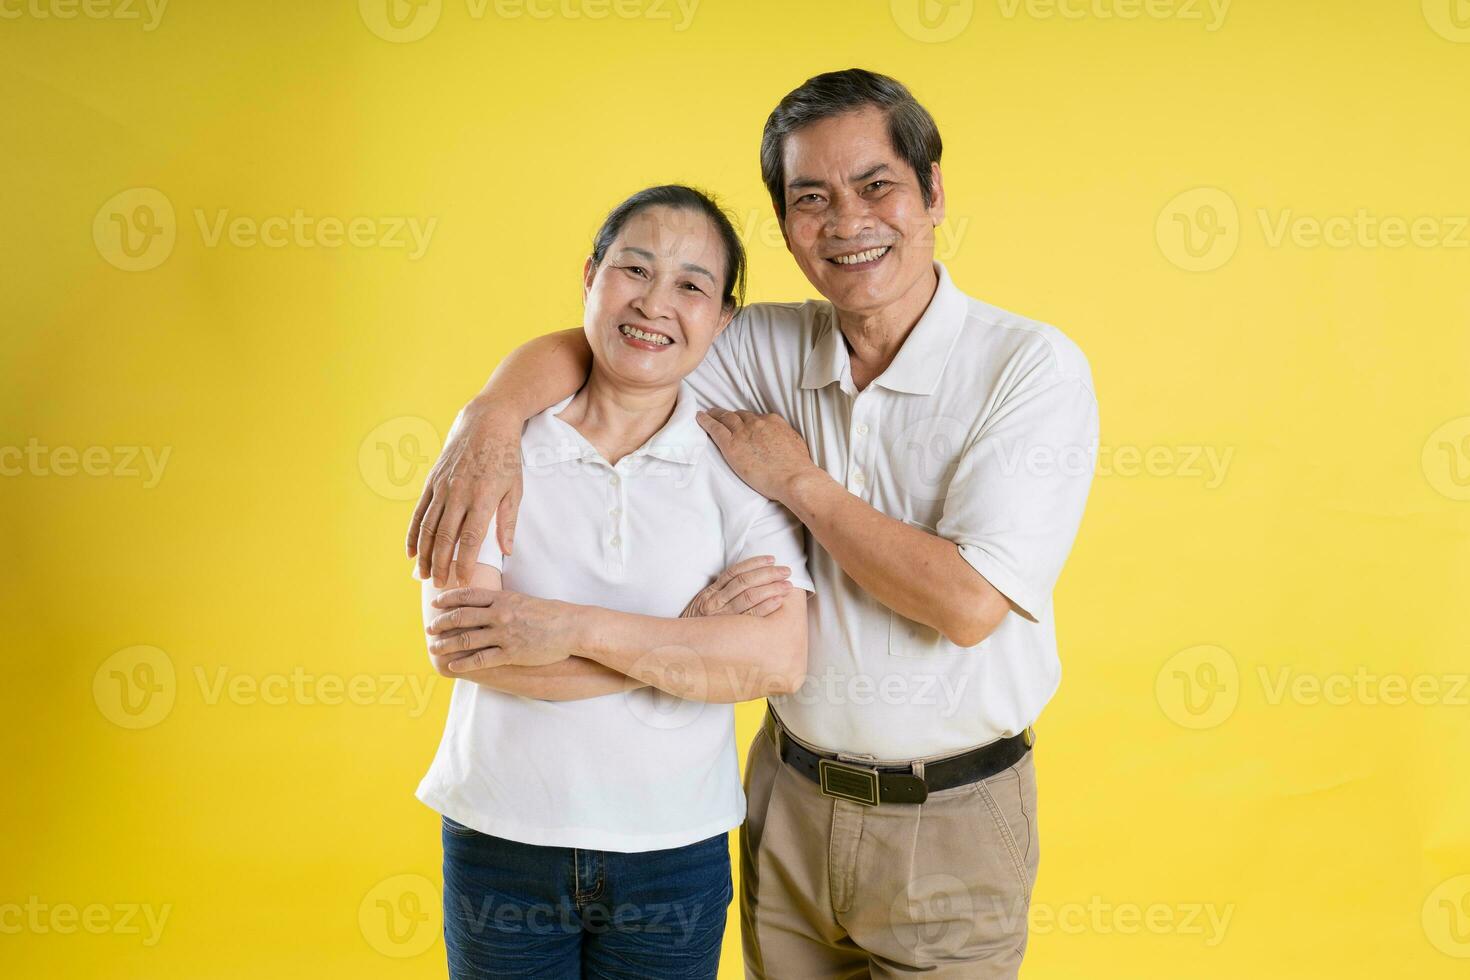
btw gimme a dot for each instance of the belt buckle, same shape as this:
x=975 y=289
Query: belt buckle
x=846 y=782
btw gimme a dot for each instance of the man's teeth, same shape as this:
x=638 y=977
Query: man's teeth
x=652 y=338
x=868 y=256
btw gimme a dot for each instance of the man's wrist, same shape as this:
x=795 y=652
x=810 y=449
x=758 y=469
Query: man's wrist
x=802 y=487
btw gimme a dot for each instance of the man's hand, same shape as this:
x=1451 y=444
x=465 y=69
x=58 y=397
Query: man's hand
x=490 y=628
x=478 y=473
x=756 y=586
x=764 y=450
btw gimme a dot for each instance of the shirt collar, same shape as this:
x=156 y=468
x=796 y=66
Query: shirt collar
x=548 y=439
x=920 y=360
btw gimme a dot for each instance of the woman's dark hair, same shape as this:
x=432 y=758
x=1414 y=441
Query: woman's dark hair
x=686 y=199
x=911 y=130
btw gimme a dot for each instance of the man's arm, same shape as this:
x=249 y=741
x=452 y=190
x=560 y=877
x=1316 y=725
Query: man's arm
x=916 y=574
x=479 y=470
x=709 y=658
x=571 y=679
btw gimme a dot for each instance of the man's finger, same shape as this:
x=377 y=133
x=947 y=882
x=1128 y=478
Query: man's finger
x=447 y=534
x=472 y=535
x=507 y=513
x=426 y=535
x=426 y=496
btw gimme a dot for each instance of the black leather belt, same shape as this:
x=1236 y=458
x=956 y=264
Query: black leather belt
x=843 y=779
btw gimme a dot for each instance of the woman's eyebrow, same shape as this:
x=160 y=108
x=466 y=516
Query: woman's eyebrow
x=648 y=256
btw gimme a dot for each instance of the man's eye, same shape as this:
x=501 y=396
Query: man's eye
x=878 y=183
x=808 y=199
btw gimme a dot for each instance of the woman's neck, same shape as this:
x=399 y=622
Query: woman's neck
x=617 y=419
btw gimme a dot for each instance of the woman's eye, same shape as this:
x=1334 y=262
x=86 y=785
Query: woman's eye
x=692 y=287
x=637 y=270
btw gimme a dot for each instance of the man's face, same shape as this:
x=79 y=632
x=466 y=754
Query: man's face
x=856 y=221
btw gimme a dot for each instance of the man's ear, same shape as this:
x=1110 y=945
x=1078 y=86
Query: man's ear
x=936 y=195
x=589 y=273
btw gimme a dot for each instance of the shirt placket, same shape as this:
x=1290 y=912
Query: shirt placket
x=861 y=431
x=614 y=533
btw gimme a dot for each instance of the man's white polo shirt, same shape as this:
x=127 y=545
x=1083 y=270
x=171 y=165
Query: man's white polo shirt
x=983 y=430
x=632 y=771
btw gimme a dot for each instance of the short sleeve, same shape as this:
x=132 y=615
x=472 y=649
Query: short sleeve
x=721 y=379
x=1016 y=499
x=774 y=530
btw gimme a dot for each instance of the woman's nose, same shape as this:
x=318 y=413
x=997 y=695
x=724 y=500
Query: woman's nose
x=655 y=301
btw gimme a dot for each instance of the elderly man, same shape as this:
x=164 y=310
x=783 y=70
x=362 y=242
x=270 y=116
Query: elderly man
x=939 y=452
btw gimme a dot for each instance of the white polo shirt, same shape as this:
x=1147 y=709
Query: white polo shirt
x=636 y=770
x=983 y=430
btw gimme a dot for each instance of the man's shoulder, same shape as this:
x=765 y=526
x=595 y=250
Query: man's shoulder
x=778 y=323
x=1038 y=349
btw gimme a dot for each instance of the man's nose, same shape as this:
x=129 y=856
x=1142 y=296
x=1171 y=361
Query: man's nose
x=850 y=218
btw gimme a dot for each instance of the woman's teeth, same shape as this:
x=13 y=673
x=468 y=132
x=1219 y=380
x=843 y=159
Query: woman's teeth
x=644 y=335
x=859 y=257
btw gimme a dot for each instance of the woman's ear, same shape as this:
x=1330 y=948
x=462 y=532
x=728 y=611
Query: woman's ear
x=589 y=273
x=727 y=313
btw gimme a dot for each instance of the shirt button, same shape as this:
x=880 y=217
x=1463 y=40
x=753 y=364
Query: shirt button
x=616 y=511
x=862 y=429
x=614 y=479
x=858 y=478
x=616 y=541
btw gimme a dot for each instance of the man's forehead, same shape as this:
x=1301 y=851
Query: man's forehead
x=852 y=141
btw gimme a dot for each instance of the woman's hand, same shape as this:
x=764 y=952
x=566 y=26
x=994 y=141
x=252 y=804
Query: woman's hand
x=756 y=586
x=491 y=628
x=478 y=474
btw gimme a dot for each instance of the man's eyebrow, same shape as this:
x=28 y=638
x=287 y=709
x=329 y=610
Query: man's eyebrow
x=801 y=183
x=645 y=254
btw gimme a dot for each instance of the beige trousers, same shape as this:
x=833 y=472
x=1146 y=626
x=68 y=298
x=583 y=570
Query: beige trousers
x=831 y=888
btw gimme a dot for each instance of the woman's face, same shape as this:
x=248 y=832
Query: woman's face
x=654 y=303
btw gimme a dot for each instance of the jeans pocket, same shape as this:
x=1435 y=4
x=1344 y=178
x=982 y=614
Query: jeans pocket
x=456 y=829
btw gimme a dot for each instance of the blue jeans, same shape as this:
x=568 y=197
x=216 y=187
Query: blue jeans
x=522 y=910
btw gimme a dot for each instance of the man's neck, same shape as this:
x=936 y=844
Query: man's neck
x=875 y=336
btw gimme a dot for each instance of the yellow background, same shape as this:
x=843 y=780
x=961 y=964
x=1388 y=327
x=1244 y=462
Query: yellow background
x=1334 y=835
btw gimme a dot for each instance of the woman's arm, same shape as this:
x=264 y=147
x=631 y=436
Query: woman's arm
x=571 y=679
x=708 y=658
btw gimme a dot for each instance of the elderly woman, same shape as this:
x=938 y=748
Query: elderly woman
x=587 y=775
